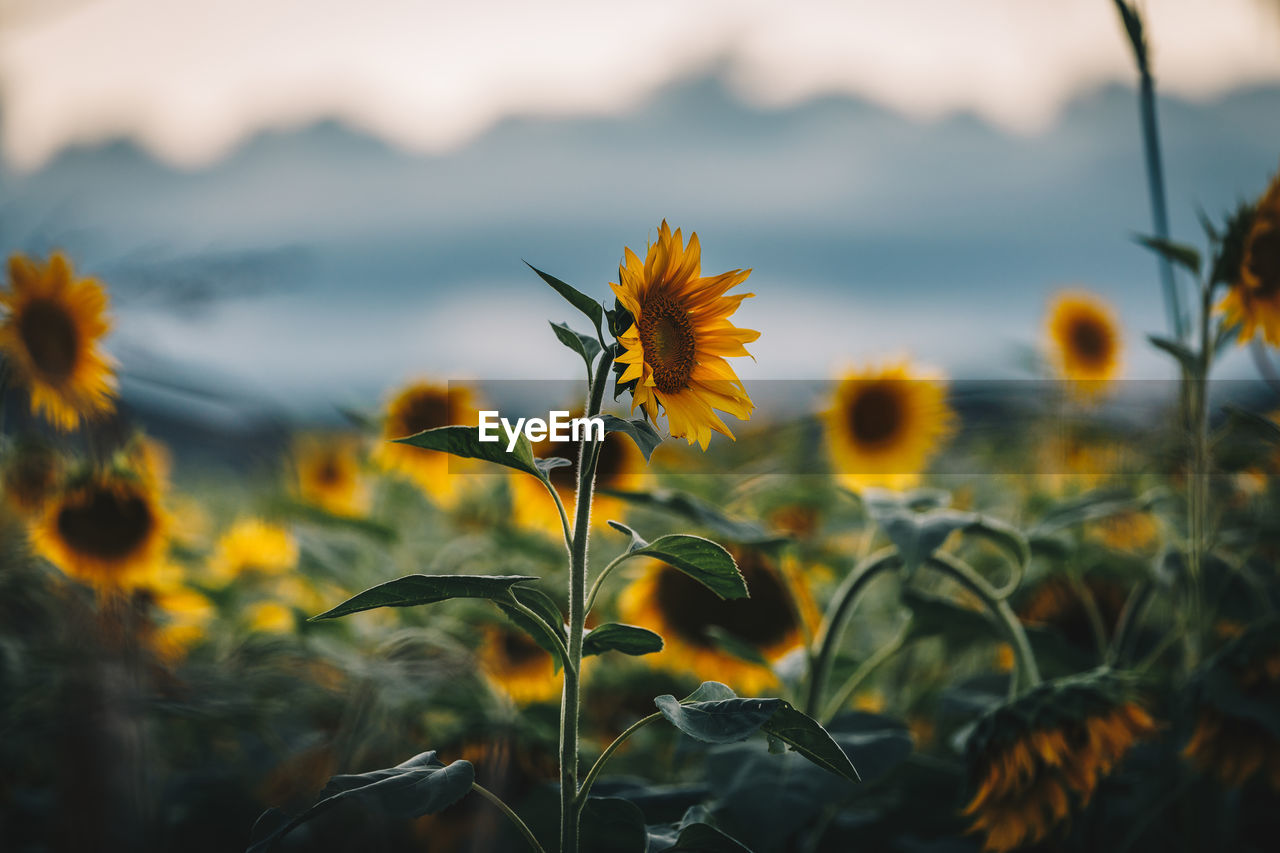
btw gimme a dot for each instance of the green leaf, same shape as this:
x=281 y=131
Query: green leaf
x=593 y=309
x=804 y=735
x=612 y=825
x=702 y=513
x=720 y=721
x=918 y=534
x=1181 y=254
x=420 y=786
x=1260 y=425
x=710 y=691
x=1180 y=351
x=701 y=559
x=548 y=613
x=641 y=432
x=584 y=345
x=693 y=834
x=628 y=639
x=465 y=441
x=413 y=590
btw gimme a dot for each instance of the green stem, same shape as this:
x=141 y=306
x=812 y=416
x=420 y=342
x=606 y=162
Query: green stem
x=868 y=666
x=512 y=816
x=564 y=517
x=595 y=587
x=515 y=604
x=833 y=623
x=1130 y=616
x=1028 y=674
x=588 y=456
x=1198 y=481
x=608 y=753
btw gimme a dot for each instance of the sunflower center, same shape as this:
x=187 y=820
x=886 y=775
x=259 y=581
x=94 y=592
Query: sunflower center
x=1264 y=260
x=519 y=649
x=329 y=474
x=50 y=335
x=690 y=609
x=876 y=415
x=426 y=411
x=666 y=335
x=1090 y=341
x=106 y=524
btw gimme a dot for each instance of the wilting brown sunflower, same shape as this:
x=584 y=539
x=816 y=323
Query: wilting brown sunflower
x=1034 y=760
x=31 y=475
x=1235 y=694
x=518 y=666
x=328 y=470
x=49 y=334
x=675 y=349
x=688 y=616
x=107 y=529
x=1084 y=341
x=1253 y=300
x=252 y=545
x=884 y=425
x=1056 y=603
x=418 y=407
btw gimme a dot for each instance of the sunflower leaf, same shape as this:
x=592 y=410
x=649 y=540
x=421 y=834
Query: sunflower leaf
x=641 y=432
x=414 y=590
x=614 y=637
x=584 y=345
x=701 y=559
x=804 y=735
x=465 y=441
x=593 y=309
x=548 y=613
x=1181 y=254
x=420 y=786
x=719 y=721
x=918 y=534
x=711 y=691
x=1177 y=349
x=695 y=833
x=701 y=512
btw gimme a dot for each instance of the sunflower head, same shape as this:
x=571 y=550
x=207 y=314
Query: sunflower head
x=328 y=472
x=31 y=475
x=417 y=407
x=692 y=620
x=252 y=545
x=49 y=334
x=1253 y=300
x=1037 y=758
x=884 y=425
x=184 y=614
x=1236 y=736
x=1084 y=341
x=1056 y=603
x=517 y=666
x=107 y=529
x=675 y=348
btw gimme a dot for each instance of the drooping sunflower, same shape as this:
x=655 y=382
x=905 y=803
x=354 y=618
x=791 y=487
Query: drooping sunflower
x=252 y=545
x=1234 y=696
x=107 y=529
x=680 y=336
x=1253 y=301
x=49 y=334
x=1034 y=760
x=689 y=616
x=1057 y=604
x=1085 y=341
x=518 y=666
x=884 y=425
x=418 y=407
x=328 y=470
x=31 y=476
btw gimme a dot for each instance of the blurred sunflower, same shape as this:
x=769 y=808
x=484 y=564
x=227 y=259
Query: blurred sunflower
x=518 y=666
x=689 y=616
x=252 y=545
x=884 y=425
x=1031 y=761
x=1133 y=530
x=31 y=475
x=418 y=407
x=270 y=617
x=185 y=613
x=328 y=470
x=676 y=347
x=1084 y=341
x=1235 y=697
x=108 y=529
x=1055 y=602
x=50 y=335
x=1253 y=300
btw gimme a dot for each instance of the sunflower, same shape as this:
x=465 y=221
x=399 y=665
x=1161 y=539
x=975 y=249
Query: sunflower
x=270 y=617
x=689 y=617
x=252 y=545
x=418 y=407
x=518 y=666
x=1235 y=696
x=185 y=613
x=50 y=337
x=680 y=336
x=31 y=475
x=621 y=467
x=108 y=529
x=1084 y=341
x=1055 y=603
x=328 y=470
x=884 y=425
x=1253 y=301
x=1033 y=760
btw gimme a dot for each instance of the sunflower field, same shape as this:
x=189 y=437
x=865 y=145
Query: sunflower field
x=884 y=611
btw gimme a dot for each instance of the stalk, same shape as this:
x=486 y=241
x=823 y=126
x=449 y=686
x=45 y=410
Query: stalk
x=588 y=457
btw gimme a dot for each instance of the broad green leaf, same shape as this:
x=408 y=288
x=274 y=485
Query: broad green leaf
x=584 y=345
x=612 y=825
x=465 y=441
x=593 y=309
x=548 y=614
x=721 y=721
x=710 y=691
x=881 y=743
x=414 y=590
x=918 y=534
x=1180 y=351
x=701 y=559
x=804 y=735
x=420 y=786
x=614 y=637
x=641 y=432
x=693 y=836
x=702 y=513
x=1181 y=254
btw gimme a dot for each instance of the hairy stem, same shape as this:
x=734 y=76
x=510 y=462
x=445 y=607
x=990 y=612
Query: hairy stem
x=511 y=815
x=608 y=753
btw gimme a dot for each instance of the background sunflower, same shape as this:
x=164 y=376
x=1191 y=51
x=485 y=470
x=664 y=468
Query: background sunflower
x=417 y=407
x=1085 y=340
